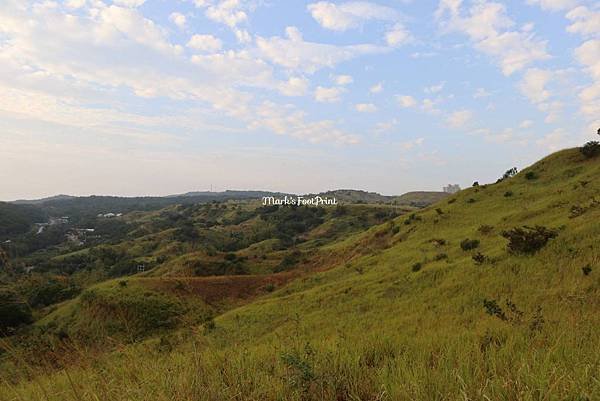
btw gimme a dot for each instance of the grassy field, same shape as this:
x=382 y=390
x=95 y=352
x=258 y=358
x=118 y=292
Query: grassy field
x=407 y=310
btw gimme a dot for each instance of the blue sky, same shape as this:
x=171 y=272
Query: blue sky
x=154 y=97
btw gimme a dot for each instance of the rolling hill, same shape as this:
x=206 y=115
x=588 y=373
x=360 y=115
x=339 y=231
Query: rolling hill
x=490 y=294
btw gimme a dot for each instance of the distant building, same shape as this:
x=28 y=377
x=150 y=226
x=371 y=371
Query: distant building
x=452 y=188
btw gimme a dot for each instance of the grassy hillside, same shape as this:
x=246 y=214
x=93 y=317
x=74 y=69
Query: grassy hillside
x=456 y=301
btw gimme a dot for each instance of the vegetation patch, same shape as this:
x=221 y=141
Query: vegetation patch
x=528 y=240
x=590 y=149
x=469 y=244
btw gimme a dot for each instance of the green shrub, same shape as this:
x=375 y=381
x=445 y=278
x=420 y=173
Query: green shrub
x=590 y=149
x=479 y=258
x=587 y=269
x=493 y=309
x=412 y=218
x=528 y=240
x=508 y=174
x=417 y=266
x=508 y=194
x=469 y=244
x=531 y=175
x=289 y=261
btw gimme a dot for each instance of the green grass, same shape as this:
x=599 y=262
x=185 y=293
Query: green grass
x=369 y=328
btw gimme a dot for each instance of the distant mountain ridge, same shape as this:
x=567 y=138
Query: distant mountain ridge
x=416 y=198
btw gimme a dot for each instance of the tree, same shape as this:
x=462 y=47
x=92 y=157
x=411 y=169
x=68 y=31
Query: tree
x=590 y=149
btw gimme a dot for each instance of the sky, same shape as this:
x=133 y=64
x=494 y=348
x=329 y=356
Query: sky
x=157 y=97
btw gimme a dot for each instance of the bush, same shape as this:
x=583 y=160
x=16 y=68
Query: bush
x=412 y=218
x=586 y=270
x=289 y=261
x=479 y=258
x=508 y=194
x=528 y=240
x=417 y=266
x=493 y=309
x=508 y=174
x=590 y=149
x=531 y=175
x=469 y=244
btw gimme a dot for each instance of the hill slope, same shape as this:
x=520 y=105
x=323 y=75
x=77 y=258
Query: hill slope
x=432 y=306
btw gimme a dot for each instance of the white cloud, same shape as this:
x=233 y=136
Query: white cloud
x=588 y=54
x=377 y=88
x=343 y=79
x=228 y=12
x=557 y=139
x=328 y=95
x=584 y=21
x=526 y=124
x=296 y=54
x=435 y=88
x=552 y=110
x=178 y=19
x=295 y=86
x=406 y=101
x=231 y=13
x=481 y=93
x=278 y=120
x=207 y=43
x=398 y=36
x=365 y=107
x=487 y=25
x=75 y=3
x=459 y=118
x=553 y=5
x=344 y=16
x=533 y=85
x=129 y=3
x=74 y=69
x=408 y=145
